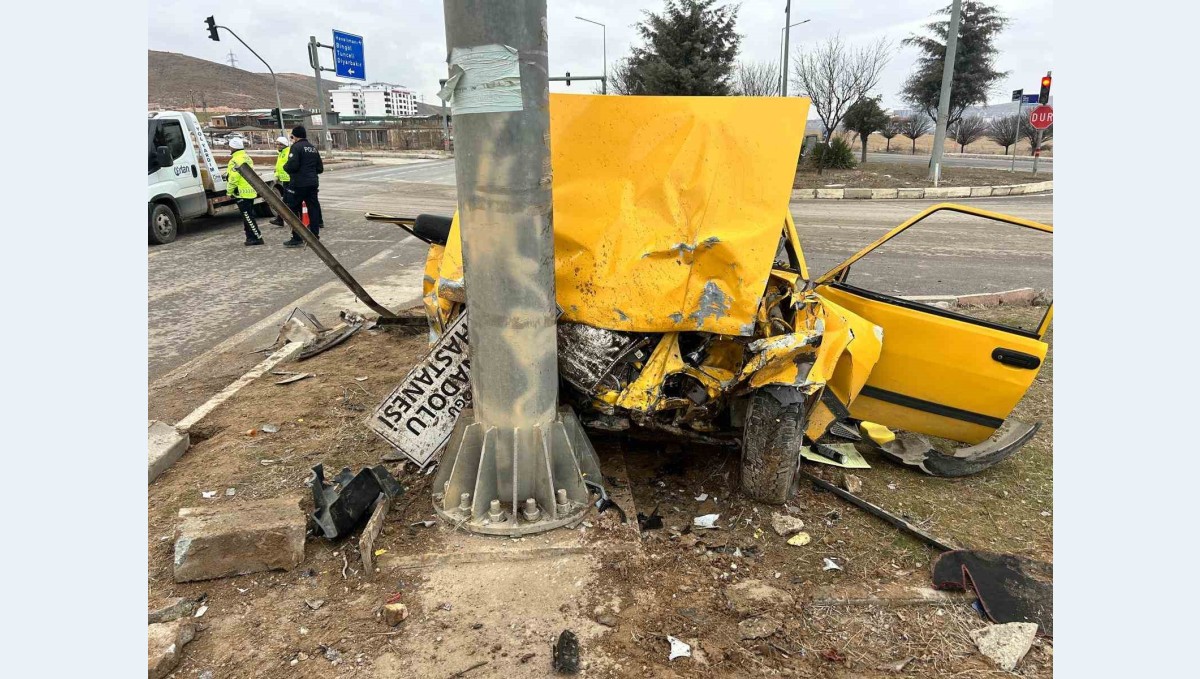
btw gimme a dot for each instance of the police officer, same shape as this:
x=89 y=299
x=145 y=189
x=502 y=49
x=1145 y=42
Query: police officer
x=281 y=175
x=303 y=166
x=242 y=192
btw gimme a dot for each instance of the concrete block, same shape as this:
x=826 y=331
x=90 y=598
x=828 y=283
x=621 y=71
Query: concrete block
x=165 y=641
x=1000 y=190
x=832 y=194
x=879 y=194
x=856 y=193
x=1020 y=296
x=977 y=191
x=910 y=193
x=165 y=445
x=235 y=539
x=803 y=194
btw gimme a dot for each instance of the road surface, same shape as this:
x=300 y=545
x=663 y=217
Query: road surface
x=212 y=301
x=1024 y=163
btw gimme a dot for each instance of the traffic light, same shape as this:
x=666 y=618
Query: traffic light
x=1044 y=96
x=568 y=78
x=212 y=29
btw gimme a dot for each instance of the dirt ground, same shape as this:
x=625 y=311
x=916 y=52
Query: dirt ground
x=502 y=602
x=903 y=175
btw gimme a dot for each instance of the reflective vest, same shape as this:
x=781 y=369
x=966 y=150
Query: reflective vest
x=280 y=161
x=239 y=187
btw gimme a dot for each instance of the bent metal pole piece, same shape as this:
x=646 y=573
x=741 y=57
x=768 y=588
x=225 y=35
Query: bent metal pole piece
x=277 y=204
x=516 y=464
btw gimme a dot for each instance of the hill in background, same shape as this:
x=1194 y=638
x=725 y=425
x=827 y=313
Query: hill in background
x=177 y=81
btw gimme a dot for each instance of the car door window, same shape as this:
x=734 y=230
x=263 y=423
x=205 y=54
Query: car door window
x=170 y=134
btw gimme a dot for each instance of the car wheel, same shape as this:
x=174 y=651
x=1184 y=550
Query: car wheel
x=164 y=224
x=771 y=443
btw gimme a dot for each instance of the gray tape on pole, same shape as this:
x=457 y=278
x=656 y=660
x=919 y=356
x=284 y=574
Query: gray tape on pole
x=484 y=79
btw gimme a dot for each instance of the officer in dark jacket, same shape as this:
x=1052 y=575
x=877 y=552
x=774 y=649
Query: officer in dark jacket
x=303 y=166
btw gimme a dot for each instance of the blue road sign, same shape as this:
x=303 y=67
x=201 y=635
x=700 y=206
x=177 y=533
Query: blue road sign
x=1029 y=99
x=348 y=56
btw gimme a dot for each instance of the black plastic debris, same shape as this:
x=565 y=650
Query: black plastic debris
x=652 y=522
x=1011 y=588
x=566 y=653
x=605 y=502
x=341 y=504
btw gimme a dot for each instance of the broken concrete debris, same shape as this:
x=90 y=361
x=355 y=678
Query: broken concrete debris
x=785 y=524
x=341 y=504
x=851 y=483
x=1005 y=644
x=754 y=597
x=566 y=653
x=165 y=642
x=234 y=539
x=394 y=614
x=799 y=539
x=174 y=609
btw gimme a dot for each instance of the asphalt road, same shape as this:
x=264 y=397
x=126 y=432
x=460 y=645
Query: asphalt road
x=999 y=163
x=209 y=294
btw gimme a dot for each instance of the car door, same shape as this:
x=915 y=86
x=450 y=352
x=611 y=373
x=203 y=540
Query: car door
x=182 y=179
x=941 y=372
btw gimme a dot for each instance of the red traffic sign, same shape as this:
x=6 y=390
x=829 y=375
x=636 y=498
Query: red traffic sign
x=1041 y=117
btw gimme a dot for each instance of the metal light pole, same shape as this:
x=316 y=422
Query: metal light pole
x=604 y=51
x=314 y=59
x=278 y=105
x=939 y=137
x=784 y=34
x=515 y=464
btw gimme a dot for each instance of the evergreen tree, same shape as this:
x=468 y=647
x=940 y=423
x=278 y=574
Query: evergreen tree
x=974 y=58
x=689 y=49
x=864 y=117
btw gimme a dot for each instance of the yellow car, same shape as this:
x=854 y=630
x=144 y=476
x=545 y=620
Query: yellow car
x=688 y=308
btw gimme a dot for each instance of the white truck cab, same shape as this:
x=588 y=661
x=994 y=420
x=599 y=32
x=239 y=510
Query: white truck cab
x=183 y=177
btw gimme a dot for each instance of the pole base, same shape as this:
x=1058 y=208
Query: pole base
x=506 y=481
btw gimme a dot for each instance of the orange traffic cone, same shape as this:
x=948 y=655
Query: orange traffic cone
x=304 y=213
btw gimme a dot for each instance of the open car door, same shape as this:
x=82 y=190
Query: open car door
x=941 y=372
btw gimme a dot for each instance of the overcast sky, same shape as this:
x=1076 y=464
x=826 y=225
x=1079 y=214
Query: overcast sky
x=404 y=42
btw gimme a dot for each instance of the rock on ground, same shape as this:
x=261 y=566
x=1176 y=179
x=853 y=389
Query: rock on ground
x=751 y=597
x=758 y=628
x=1005 y=644
x=234 y=539
x=786 y=525
x=852 y=484
x=165 y=646
x=173 y=609
x=394 y=614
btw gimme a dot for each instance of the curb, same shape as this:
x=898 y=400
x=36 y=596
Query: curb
x=166 y=443
x=1018 y=297
x=348 y=165
x=922 y=193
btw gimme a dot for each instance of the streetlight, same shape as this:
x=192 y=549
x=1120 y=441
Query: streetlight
x=785 y=34
x=603 y=51
x=212 y=35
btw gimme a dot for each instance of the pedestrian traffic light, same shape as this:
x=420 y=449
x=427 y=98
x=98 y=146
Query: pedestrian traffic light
x=212 y=29
x=1044 y=96
x=568 y=78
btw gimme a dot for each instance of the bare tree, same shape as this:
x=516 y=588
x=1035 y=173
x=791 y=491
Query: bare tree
x=969 y=130
x=1038 y=139
x=914 y=127
x=621 y=80
x=835 y=76
x=757 y=79
x=1005 y=131
x=890 y=130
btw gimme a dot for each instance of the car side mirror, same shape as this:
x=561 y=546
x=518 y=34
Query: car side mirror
x=162 y=154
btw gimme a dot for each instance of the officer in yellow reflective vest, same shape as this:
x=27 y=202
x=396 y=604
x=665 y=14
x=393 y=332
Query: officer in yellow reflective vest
x=281 y=175
x=242 y=192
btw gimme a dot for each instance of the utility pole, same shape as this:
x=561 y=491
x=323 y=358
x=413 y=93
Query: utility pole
x=939 y=137
x=787 y=34
x=515 y=463
x=314 y=58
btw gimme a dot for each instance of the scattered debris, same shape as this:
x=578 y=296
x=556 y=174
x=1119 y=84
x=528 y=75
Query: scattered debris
x=230 y=492
x=786 y=525
x=799 y=539
x=652 y=522
x=341 y=504
x=678 y=649
x=706 y=521
x=607 y=619
x=852 y=483
x=165 y=642
x=234 y=539
x=758 y=628
x=1005 y=644
x=1010 y=588
x=897 y=666
x=173 y=610
x=879 y=512
x=917 y=451
x=208 y=494
x=754 y=597
x=832 y=655
x=394 y=614
x=701 y=497
x=459 y=673
x=360 y=379
x=269 y=428
x=201 y=611
x=843 y=455
x=566 y=653
x=527 y=657
x=831 y=565
x=315 y=604
x=333 y=655
x=294 y=377
x=366 y=542
x=426 y=523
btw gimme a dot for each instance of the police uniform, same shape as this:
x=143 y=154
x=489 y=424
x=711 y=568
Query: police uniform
x=303 y=166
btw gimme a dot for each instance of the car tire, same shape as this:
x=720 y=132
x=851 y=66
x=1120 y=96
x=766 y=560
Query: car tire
x=771 y=443
x=164 y=224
